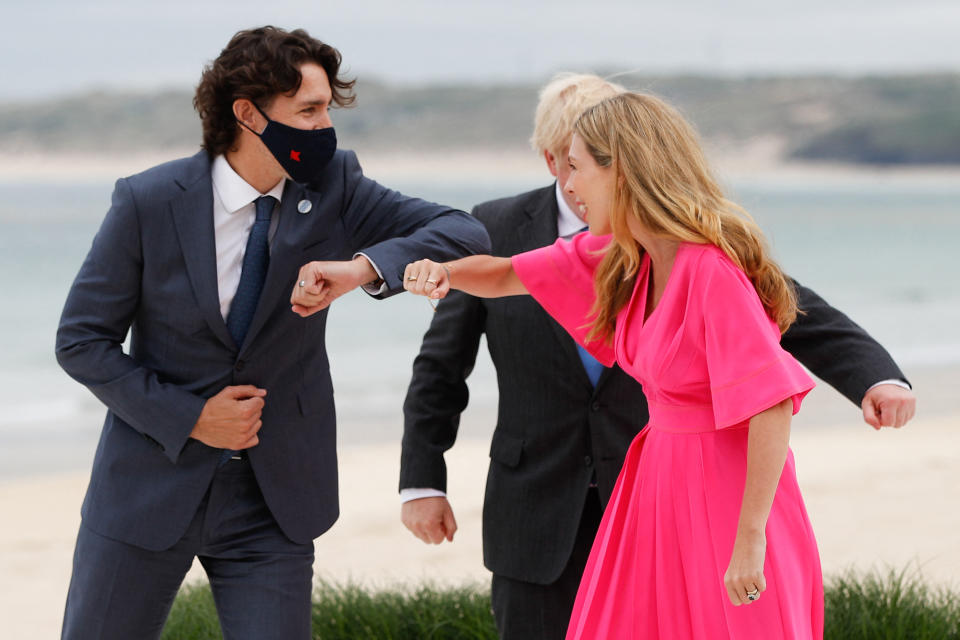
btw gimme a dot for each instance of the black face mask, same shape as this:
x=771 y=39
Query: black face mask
x=303 y=153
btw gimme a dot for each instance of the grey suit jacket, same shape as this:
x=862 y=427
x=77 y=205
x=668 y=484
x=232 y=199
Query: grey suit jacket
x=152 y=271
x=554 y=431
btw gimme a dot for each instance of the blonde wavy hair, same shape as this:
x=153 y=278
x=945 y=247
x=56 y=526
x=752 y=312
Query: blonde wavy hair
x=562 y=100
x=665 y=184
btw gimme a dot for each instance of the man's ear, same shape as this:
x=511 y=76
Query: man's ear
x=551 y=162
x=246 y=114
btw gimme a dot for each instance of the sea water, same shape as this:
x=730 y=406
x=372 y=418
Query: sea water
x=883 y=251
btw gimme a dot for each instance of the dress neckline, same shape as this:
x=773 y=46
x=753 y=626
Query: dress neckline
x=638 y=300
x=645 y=274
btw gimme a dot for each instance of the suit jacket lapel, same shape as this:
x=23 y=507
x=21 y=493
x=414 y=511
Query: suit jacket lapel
x=541 y=229
x=285 y=254
x=193 y=219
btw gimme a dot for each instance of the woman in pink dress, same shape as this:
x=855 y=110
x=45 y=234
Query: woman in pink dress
x=706 y=535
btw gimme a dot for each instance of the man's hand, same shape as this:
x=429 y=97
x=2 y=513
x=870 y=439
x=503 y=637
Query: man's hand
x=324 y=282
x=888 y=405
x=430 y=519
x=231 y=419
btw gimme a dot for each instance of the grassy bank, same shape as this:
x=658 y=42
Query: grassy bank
x=894 y=606
x=350 y=611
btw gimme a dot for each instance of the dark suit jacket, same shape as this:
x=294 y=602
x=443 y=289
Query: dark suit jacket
x=152 y=270
x=554 y=431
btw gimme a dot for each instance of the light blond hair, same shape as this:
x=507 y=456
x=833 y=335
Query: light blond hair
x=562 y=101
x=665 y=184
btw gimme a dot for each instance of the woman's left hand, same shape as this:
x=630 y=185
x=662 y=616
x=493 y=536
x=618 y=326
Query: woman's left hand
x=744 y=578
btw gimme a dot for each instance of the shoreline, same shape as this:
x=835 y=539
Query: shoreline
x=465 y=165
x=876 y=500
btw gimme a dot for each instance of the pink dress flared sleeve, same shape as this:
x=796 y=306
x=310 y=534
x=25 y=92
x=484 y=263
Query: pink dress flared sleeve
x=749 y=370
x=560 y=278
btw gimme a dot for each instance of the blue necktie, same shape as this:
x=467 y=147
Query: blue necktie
x=590 y=364
x=256 y=259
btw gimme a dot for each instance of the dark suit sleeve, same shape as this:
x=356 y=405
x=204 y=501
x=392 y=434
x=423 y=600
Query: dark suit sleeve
x=836 y=349
x=438 y=391
x=393 y=230
x=99 y=310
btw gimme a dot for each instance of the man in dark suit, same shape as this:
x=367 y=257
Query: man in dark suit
x=565 y=422
x=219 y=440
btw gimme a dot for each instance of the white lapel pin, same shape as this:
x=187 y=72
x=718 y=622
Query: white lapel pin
x=304 y=206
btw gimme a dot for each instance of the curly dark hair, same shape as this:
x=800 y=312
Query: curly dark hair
x=259 y=64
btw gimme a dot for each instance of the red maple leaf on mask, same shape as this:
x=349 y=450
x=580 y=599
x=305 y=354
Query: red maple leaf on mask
x=295 y=155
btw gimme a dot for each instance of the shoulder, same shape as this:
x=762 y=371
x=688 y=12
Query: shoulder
x=707 y=261
x=162 y=183
x=500 y=210
x=181 y=169
x=710 y=275
x=342 y=169
x=342 y=160
x=175 y=175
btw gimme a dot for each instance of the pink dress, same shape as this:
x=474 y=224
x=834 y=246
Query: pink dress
x=709 y=358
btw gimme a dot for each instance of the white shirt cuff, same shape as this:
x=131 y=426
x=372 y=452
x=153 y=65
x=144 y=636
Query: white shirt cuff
x=899 y=383
x=406 y=495
x=373 y=290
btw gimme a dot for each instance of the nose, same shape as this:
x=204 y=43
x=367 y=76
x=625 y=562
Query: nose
x=568 y=187
x=324 y=121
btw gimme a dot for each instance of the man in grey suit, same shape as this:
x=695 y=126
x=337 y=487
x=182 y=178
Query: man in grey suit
x=564 y=422
x=219 y=440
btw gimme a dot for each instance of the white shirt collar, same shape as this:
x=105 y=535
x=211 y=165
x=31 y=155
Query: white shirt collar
x=568 y=223
x=234 y=192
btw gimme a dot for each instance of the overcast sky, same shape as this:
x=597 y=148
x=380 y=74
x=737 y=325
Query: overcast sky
x=51 y=47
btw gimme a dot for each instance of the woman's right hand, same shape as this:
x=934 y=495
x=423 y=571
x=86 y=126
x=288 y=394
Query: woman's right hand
x=427 y=278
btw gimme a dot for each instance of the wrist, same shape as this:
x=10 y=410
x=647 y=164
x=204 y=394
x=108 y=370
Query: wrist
x=366 y=274
x=750 y=531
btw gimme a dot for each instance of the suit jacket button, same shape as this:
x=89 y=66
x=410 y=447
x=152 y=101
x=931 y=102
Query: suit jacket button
x=239 y=365
x=587 y=461
x=595 y=406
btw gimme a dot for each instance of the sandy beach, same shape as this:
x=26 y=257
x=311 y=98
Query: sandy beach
x=877 y=500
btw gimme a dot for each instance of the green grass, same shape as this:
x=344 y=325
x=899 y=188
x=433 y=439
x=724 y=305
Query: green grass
x=425 y=612
x=895 y=606
x=193 y=616
x=892 y=606
x=350 y=611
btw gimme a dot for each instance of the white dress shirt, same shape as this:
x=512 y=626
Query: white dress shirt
x=233 y=217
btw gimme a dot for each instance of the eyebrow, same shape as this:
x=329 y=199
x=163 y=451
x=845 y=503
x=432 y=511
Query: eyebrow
x=313 y=103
